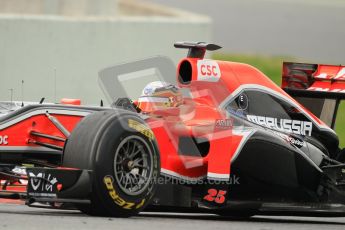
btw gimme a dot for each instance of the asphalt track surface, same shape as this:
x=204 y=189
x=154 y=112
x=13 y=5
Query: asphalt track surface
x=310 y=30
x=16 y=216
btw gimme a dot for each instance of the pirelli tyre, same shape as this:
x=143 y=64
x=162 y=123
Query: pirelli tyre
x=122 y=153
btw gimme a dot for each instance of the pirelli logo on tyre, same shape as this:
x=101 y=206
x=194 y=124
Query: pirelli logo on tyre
x=108 y=181
x=141 y=128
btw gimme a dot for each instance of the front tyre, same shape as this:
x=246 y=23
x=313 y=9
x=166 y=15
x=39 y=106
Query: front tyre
x=121 y=151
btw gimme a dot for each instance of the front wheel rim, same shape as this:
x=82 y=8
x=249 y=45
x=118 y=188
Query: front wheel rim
x=133 y=165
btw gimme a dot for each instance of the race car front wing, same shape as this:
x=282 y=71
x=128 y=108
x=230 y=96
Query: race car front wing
x=61 y=185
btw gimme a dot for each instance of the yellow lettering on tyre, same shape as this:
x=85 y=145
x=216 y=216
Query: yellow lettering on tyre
x=141 y=128
x=108 y=181
x=140 y=204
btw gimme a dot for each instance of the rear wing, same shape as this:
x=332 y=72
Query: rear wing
x=320 y=88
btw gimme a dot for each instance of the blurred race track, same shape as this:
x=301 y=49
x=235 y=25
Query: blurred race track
x=14 y=216
x=310 y=30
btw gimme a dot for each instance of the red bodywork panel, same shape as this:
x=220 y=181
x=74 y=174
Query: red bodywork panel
x=212 y=84
x=19 y=133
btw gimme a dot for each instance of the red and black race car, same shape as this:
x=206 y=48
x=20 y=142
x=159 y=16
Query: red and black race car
x=228 y=141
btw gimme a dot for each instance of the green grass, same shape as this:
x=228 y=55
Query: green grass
x=340 y=124
x=272 y=66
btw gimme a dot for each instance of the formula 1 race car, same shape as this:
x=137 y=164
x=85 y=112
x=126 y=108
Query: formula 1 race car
x=227 y=141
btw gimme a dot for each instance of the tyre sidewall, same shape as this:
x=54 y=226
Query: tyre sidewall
x=105 y=187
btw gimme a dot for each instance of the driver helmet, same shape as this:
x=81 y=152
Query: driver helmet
x=159 y=95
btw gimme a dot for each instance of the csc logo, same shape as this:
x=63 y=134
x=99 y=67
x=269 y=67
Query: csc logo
x=208 y=70
x=4 y=140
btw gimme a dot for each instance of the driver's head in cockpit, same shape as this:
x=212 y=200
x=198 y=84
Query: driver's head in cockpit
x=159 y=95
